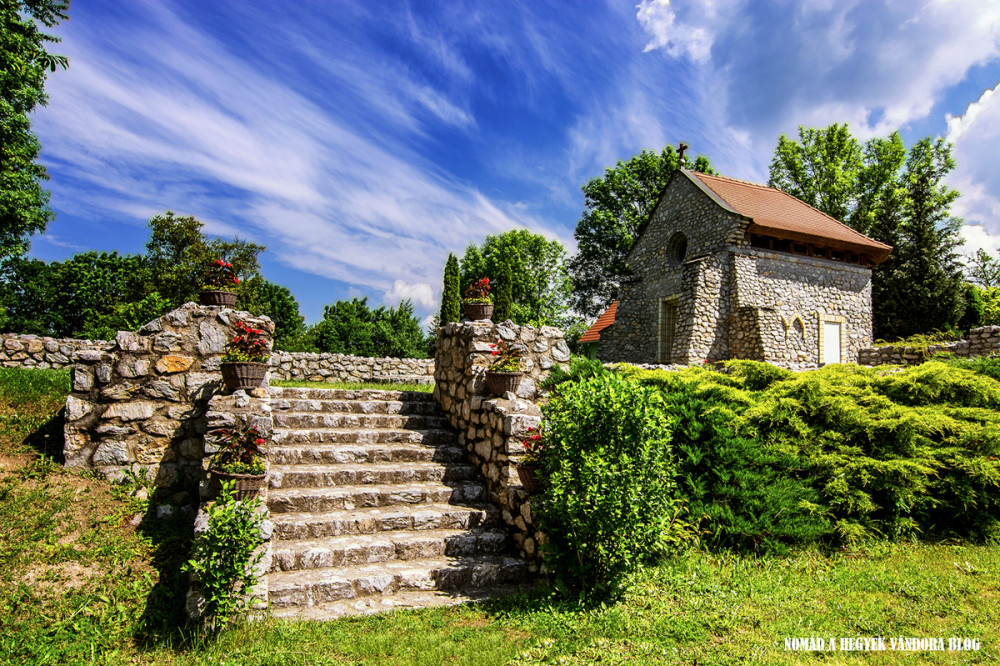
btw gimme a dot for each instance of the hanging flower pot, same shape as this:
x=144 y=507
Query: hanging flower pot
x=499 y=383
x=477 y=311
x=246 y=486
x=528 y=473
x=218 y=297
x=243 y=375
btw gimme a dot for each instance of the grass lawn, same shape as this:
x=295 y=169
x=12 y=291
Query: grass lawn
x=80 y=584
x=422 y=388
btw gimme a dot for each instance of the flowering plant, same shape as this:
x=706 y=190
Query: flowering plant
x=506 y=358
x=248 y=345
x=534 y=448
x=239 y=451
x=478 y=292
x=220 y=275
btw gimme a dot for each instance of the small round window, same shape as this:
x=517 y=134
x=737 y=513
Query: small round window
x=677 y=248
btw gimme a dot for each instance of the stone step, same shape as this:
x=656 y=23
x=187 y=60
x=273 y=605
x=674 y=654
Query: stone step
x=355 y=550
x=424 y=436
x=320 y=500
x=310 y=393
x=335 y=406
x=402 y=599
x=326 y=476
x=301 y=525
x=294 y=421
x=298 y=454
x=314 y=587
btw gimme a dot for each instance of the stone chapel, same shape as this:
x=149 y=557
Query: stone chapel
x=730 y=269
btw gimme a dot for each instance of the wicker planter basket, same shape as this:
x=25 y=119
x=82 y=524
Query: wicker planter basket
x=528 y=473
x=499 y=383
x=224 y=299
x=477 y=311
x=247 y=486
x=243 y=375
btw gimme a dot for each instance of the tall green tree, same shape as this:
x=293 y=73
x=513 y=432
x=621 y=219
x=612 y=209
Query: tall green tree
x=178 y=253
x=983 y=270
x=896 y=196
x=451 y=294
x=503 y=306
x=24 y=203
x=540 y=285
x=616 y=206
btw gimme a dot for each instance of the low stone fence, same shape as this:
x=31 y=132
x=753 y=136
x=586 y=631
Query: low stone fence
x=33 y=351
x=978 y=342
x=492 y=429
x=306 y=367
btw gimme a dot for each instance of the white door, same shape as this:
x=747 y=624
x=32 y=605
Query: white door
x=831 y=342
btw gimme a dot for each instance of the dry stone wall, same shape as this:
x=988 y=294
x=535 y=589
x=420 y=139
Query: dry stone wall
x=33 y=351
x=306 y=367
x=983 y=341
x=143 y=401
x=492 y=429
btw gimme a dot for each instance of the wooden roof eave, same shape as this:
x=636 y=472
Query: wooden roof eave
x=877 y=253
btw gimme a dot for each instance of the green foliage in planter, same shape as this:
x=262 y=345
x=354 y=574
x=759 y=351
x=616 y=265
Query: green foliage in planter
x=609 y=505
x=222 y=557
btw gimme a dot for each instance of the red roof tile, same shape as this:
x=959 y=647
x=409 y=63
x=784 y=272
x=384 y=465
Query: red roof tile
x=593 y=333
x=776 y=213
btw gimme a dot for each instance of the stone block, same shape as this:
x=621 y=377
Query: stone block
x=77 y=408
x=83 y=378
x=172 y=363
x=131 y=411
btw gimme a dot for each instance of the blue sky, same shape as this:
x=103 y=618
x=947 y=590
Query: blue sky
x=363 y=141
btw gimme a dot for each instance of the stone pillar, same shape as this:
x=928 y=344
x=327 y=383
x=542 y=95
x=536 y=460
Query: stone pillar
x=142 y=402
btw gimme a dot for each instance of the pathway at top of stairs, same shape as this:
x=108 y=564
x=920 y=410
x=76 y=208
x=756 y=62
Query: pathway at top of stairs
x=375 y=507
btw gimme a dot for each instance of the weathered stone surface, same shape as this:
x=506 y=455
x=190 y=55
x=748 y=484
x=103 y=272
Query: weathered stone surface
x=83 y=378
x=130 y=411
x=172 y=363
x=112 y=453
x=77 y=408
x=212 y=339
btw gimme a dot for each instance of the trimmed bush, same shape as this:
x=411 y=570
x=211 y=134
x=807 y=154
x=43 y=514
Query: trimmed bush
x=609 y=505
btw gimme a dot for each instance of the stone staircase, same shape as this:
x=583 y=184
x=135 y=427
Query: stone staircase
x=375 y=507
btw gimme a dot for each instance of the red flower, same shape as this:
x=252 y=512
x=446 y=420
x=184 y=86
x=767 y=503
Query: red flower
x=258 y=441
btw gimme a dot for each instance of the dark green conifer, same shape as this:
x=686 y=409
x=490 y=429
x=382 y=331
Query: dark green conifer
x=451 y=298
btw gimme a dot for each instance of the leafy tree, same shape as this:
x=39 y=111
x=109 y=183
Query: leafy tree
x=894 y=196
x=617 y=206
x=351 y=327
x=178 y=253
x=540 y=285
x=975 y=308
x=263 y=297
x=24 y=204
x=504 y=306
x=451 y=294
x=983 y=269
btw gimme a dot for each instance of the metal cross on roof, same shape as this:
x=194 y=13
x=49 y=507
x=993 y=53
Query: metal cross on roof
x=681 y=147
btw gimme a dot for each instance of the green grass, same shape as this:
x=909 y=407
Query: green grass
x=354 y=386
x=79 y=585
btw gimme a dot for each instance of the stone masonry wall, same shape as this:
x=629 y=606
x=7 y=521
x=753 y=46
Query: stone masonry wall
x=33 y=351
x=305 y=367
x=781 y=299
x=982 y=341
x=659 y=273
x=143 y=401
x=492 y=429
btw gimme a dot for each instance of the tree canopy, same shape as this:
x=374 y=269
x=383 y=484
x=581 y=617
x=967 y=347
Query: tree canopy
x=539 y=283
x=896 y=196
x=351 y=327
x=24 y=203
x=617 y=206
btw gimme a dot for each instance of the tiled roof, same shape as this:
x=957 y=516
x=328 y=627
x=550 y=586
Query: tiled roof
x=593 y=333
x=776 y=213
